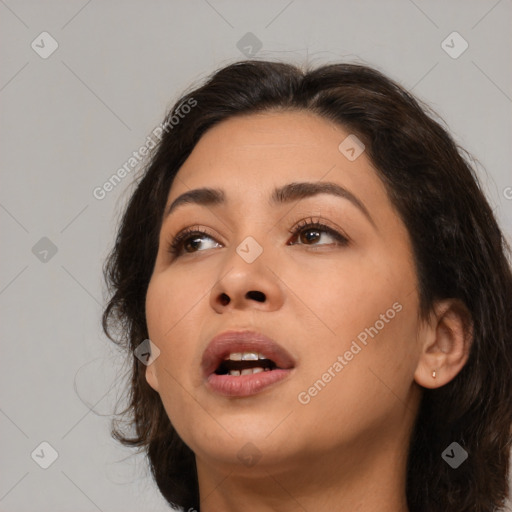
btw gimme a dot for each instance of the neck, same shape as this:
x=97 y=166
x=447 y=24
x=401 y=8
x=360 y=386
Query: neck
x=335 y=480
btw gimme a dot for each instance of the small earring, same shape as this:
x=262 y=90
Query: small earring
x=433 y=374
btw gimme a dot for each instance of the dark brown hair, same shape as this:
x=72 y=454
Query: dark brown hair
x=459 y=252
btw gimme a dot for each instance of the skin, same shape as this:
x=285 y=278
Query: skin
x=346 y=448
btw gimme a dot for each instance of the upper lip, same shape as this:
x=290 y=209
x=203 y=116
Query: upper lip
x=231 y=341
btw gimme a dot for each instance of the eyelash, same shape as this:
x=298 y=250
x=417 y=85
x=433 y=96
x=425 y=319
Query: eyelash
x=177 y=243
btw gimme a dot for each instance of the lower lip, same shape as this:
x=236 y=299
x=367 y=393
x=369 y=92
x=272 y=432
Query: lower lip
x=245 y=385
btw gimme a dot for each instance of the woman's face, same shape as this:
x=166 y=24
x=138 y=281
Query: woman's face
x=341 y=302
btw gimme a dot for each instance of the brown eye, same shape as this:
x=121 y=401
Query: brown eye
x=309 y=233
x=189 y=241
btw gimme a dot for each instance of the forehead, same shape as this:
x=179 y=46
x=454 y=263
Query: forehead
x=257 y=152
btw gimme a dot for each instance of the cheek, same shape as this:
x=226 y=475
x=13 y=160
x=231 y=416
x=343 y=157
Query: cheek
x=367 y=314
x=162 y=311
x=167 y=313
x=174 y=316
x=341 y=296
x=171 y=302
x=364 y=392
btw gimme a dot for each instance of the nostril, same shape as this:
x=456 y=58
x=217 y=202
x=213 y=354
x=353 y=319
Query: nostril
x=224 y=299
x=259 y=296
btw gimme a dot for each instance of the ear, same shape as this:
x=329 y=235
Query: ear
x=446 y=342
x=151 y=376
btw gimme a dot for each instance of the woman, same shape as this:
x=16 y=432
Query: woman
x=328 y=299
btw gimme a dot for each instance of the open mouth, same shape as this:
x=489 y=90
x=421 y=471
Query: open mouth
x=245 y=363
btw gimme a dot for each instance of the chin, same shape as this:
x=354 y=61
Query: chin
x=250 y=455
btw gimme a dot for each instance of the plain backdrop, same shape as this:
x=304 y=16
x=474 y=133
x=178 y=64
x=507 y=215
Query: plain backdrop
x=73 y=114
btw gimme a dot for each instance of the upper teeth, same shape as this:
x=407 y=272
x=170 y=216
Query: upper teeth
x=245 y=356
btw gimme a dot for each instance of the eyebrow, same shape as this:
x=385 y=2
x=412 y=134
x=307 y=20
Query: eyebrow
x=287 y=193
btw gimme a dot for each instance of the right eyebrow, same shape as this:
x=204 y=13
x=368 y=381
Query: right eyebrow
x=201 y=196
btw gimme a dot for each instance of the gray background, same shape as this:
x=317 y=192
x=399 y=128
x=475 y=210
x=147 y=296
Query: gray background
x=70 y=120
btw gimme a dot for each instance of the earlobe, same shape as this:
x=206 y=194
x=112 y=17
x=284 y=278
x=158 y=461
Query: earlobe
x=446 y=343
x=151 y=377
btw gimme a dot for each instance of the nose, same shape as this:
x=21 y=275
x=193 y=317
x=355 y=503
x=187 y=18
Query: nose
x=247 y=286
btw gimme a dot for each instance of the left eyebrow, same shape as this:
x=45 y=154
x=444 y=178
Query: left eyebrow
x=301 y=190
x=281 y=195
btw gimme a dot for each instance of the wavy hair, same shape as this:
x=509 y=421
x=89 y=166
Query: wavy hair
x=458 y=248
